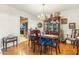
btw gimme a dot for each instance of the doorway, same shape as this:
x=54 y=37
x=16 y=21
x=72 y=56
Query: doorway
x=23 y=28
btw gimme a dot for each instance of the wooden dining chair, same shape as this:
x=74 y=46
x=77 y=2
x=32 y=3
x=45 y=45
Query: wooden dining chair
x=32 y=38
x=55 y=45
x=39 y=41
x=47 y=42
x=77 y=41
x=72 y=37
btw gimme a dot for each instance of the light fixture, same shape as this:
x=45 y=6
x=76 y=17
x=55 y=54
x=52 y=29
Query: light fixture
x=42 y=16
x=47 y=16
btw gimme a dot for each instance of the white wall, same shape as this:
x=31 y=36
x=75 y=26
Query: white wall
x=10 y=21
x=72 y=16
x=32 y=23
x=41 y=29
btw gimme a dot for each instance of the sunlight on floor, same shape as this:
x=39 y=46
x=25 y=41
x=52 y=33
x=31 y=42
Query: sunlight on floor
x=22 y=38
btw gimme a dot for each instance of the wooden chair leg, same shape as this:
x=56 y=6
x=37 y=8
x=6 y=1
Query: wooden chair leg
x=73 y=44
x=14 y=43
x=77 y=51
x=45 y=49
x=56 y=50
x=32 y=45
x=41 y=50
x=6 y=46
x=51 y=50
x=3 y=46
x=59 y=49
x=34 y=48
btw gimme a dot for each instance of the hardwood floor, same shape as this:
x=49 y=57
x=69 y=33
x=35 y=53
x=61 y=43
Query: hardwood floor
x=24 y=49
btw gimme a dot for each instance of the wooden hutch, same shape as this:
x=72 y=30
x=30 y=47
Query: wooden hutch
x=52 y=25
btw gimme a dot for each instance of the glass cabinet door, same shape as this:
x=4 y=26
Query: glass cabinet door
x=50 y=26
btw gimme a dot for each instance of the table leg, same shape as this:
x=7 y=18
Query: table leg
x=59 y=49
x=3 y=45
x=6 y=46
x=34 y=47
x=41 y=49
x=51 y=50
x=16 y=41
x=77 y=50
x=77 y=47
x=56 y=50
x=13 y=43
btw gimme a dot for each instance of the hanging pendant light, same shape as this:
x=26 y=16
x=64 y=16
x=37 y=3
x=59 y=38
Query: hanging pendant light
x=42 y=16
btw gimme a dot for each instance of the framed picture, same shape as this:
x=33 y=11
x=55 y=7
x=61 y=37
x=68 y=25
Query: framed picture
x=64 y=21
x=72 y=26
x=39 y=25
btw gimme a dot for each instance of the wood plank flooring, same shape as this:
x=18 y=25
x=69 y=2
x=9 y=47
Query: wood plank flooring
x=24 y=49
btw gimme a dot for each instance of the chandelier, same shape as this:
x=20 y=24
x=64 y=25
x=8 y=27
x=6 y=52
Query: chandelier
x=42 y=16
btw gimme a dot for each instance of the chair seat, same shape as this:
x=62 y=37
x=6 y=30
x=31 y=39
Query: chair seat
x=10 y=39
x=72 y=39
x=46 y=42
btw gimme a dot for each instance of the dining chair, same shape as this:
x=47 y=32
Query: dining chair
x=55 y=44
x=77 y=41
x=32 y=38
x=72 y=37
x=47 y=42
x=38 y=40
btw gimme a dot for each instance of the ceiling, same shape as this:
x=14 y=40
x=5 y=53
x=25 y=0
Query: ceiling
x=36 y=9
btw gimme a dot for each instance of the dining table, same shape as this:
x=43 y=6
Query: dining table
x=49 y=36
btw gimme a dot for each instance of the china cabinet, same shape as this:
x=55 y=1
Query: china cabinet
x=52 y=26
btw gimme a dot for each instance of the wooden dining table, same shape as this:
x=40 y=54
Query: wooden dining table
x=50 y=36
